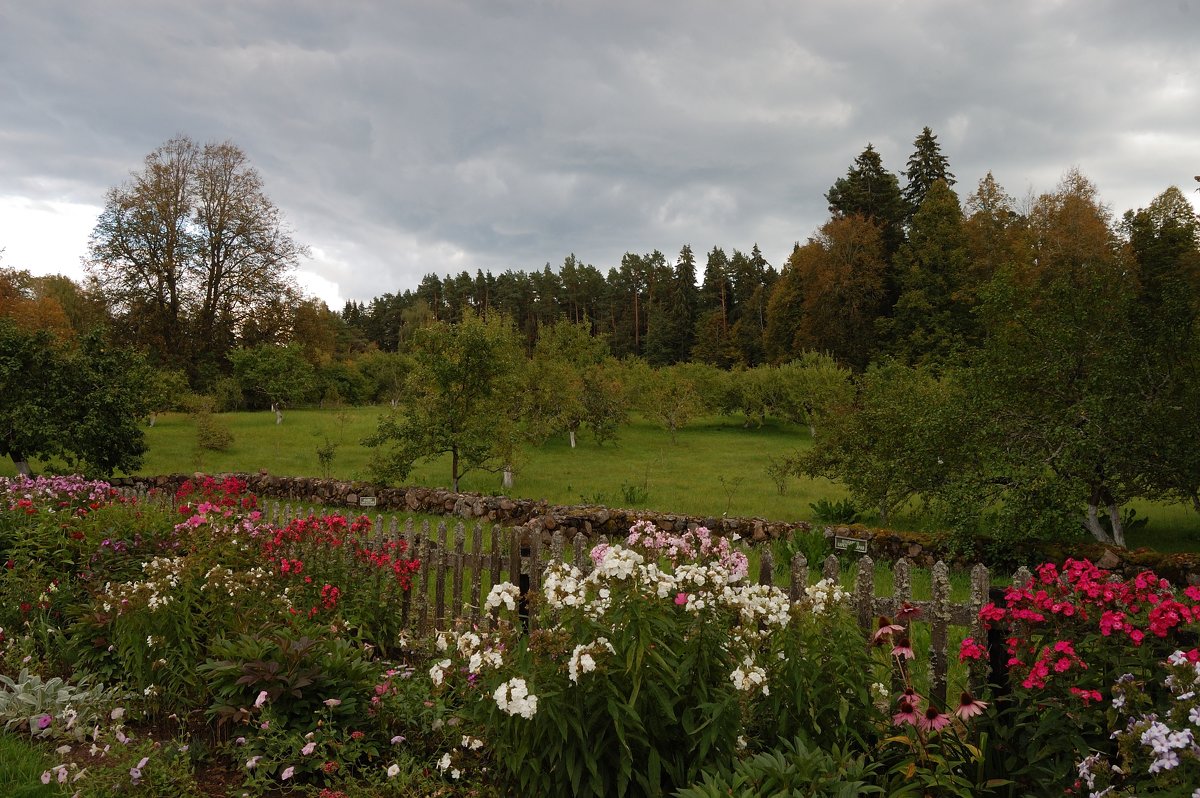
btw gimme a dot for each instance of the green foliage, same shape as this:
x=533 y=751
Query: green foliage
x=461 y=400
x=81 y=404
x=274 y=375
x=892 y=444
x=21 y=768
x=51 y=708
x=212 y=433
x=297 y=673
x=829 y=512
x=797 y=769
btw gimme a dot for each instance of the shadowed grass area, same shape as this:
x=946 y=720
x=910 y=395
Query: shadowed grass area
x=21 y=767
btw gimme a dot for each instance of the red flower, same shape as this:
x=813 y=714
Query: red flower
x=969 y=649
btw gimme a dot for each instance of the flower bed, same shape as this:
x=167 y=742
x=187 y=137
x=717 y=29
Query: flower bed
x=142 y=646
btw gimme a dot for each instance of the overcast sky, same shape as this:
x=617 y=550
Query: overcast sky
x=402 y=138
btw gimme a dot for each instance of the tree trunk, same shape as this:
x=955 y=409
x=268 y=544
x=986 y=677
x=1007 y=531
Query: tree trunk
x=454 y=470
x=22 y=465
x=153 y=417
x=507 y=480
x=1118 y=529
x=1092 y=522
x=572 y=434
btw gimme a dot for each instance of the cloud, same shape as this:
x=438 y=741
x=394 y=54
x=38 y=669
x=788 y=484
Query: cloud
x=440 y=136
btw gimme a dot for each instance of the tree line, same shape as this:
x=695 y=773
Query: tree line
x=1010 y=367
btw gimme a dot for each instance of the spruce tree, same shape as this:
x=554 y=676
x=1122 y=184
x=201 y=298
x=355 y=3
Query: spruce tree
x=926 y=166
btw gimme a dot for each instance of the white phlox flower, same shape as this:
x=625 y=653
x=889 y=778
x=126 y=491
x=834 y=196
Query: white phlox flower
x=749 y=677
x=505 y=593
x=438 y=672
x=824 y=595
x=617 y=562
x=514 y=698
x=583 y=659
x=563 y=586
x=758 y=604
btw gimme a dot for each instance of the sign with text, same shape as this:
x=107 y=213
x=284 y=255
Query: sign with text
x=366 y=501
x=856 y=545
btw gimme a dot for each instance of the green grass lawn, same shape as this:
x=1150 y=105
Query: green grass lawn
x=715 y=466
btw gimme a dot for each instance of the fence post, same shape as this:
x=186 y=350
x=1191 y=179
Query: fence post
x=980 y=583
x=476 y=567
x=534 y=578
x=497 y=560
x=939 y=622
x=799 y=577
x=439 y=598
x=766 y=567
x=460 y=539
x=832 y=568
x=423 y=595
x=864 y=593
x=901 y=584
x=517 y=577
x=581 y=559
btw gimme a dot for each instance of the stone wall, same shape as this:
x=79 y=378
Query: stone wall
x=535 y=515
x=593 y=521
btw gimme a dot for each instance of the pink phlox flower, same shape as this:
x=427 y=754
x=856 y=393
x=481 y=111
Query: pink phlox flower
x=969 y=649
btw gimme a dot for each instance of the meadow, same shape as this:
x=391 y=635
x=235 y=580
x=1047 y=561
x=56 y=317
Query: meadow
x=717 y=465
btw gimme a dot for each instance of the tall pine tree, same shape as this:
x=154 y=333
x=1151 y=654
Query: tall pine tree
x=926 y=166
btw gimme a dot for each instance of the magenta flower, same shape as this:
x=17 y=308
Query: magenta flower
x=903 y=648
x=681 y=599
x=44 y=721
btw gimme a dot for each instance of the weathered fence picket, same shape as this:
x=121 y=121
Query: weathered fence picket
x=453 y=572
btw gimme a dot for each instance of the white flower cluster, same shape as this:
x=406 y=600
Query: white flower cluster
x=582 y=659
x=756 y=604
x=479 y=652
x=749 y=677
x=438 y=672
x=563 y=586
x=514 y=698
x=824 y=595
x=505 y=593
x=616 y=562
x=162 y=578
x=446 y=765
x=1165 y=744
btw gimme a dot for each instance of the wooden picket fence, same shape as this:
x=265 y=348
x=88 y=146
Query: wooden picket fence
x=457 y=569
